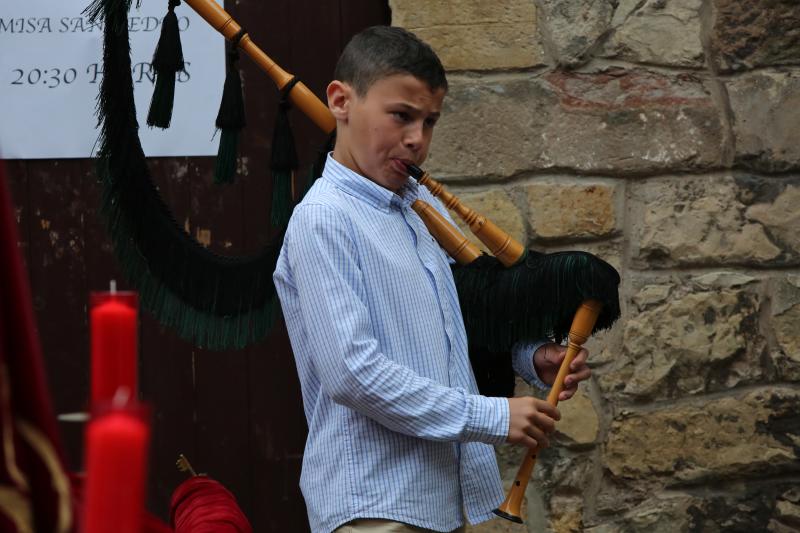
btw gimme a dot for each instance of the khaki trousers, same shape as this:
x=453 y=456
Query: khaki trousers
x=372 y=525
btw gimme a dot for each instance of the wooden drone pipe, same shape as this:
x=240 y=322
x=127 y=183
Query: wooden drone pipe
x=449 y=238
x=579 y=332
x=504 y=247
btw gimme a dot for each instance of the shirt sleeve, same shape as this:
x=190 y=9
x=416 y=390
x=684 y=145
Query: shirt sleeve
x=351 y=369
x=522 y=361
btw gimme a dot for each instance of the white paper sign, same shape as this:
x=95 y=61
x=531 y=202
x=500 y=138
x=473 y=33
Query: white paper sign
x=50 y=72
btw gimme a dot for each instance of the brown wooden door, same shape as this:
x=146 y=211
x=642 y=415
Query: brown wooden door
x=237 y=415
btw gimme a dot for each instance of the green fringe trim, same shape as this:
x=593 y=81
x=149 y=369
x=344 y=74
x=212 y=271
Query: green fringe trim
x=534 y=299
x=165 y=276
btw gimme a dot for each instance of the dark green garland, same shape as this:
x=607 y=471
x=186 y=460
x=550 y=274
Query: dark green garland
x=214 y=301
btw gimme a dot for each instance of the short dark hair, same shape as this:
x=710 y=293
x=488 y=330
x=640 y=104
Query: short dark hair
x=382 y=51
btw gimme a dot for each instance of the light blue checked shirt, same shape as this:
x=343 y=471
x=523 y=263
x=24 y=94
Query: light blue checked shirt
x=397 y=429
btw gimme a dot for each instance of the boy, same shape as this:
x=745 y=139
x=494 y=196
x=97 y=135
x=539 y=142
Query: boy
x=399 y=438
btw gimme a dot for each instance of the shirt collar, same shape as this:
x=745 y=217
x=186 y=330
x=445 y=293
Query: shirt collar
x=367 y=190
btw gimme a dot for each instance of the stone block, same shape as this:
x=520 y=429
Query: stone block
x=610 y=251
x=766 y=112
x=757 y=33
x=785 y=318
x=474 y=35
x=573 y=209
x=570 y=30
x=660 y=32
x=566 y=514
x=616 y=121
x=749 y=506
x=752 y=435
x=560 y=480
x=780 y=215
x=563 y=470
x=714 y=220
x=605 y=346
x=659 y=513
x=579 y=422
x=495 y=204
x=419 y=13
x=684 y=336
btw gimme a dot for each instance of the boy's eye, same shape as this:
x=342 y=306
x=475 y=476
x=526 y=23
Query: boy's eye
x=401 y=115
x=430 y=122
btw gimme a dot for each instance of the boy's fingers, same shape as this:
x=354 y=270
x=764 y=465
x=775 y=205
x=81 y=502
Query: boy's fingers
x=549 y=410
x=539 y=438
x=544 y=424
x=580 y=359
x=528 y=442
x=553 y=355
x=535 y=433
x=572 y=380
x=542 y=406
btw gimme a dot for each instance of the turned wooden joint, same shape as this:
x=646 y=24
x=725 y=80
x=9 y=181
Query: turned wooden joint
x=583 y=323
x=506 y=249
x=448 y=237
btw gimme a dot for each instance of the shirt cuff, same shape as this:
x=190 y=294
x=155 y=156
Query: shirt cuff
x=488 y=420
x=522 y=361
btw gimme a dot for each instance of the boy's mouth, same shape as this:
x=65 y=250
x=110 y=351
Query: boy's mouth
x=401 y=165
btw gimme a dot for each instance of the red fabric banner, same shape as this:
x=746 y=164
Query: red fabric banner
x=33 y=468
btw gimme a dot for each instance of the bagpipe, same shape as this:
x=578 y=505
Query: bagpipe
x=218 y=301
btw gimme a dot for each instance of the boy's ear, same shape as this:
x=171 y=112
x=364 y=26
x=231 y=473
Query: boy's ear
x=339 y=96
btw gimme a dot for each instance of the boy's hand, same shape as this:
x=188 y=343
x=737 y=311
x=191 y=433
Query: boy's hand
x=547 y=359
x=530 y=421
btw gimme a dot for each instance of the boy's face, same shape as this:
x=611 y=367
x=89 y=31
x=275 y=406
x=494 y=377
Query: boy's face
x=390 y=125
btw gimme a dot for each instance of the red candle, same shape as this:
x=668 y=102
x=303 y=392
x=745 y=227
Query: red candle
x=116 y=470
x=114 y=344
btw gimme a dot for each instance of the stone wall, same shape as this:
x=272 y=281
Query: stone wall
x=661 y=135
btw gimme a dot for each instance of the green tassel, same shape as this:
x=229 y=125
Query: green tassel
x=159 y=114
x=318 y=165
x=230 y=119
x=284 y=161
x=282 y=206
x=167 y=62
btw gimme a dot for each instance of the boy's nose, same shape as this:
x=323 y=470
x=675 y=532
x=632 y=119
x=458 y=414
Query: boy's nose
x=414 y=137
